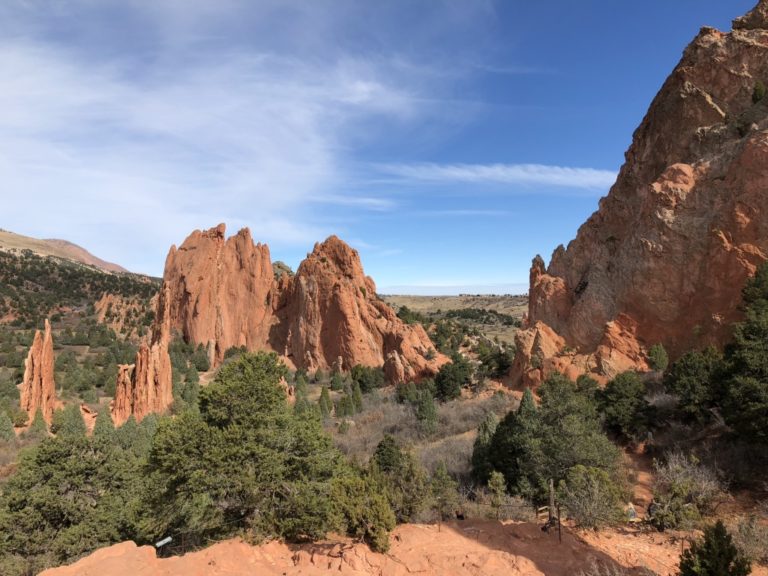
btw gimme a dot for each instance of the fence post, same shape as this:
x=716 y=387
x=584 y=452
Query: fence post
x=551 y=498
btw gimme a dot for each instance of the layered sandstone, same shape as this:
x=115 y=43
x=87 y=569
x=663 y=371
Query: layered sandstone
x=224 y=293
x=145 y=387
x=666 y=255
x=38 y=389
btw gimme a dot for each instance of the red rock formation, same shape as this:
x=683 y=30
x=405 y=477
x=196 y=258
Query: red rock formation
x=38 y=389
x=219 y=293
x=145 y=387
x=667 y=253
x=223 y=293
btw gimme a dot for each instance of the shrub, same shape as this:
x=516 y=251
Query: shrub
x=683 y=490
x=444 y=493
x=363 y=510
x=68 y=422
x=497 y=487
x=751 y=538
x=326 y=406
x=368 y=377
x=658 y=358
x=401 y=479
x=759 y=92
x=337 y=382
x=623 y=405
x=246 y=462
x=7 y=433
x=691 y=378
x=591 y=497
x=452 y=377
x=714 y=555
x=19 y=417
x=534 y=444
x=39 y=429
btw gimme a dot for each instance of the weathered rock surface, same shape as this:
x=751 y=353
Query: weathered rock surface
x=224 y=293
x=38 y=389
x=666 y=255
x=472 y=548
x=145 y=387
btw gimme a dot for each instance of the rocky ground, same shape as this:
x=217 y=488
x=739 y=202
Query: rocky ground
x=468 y=548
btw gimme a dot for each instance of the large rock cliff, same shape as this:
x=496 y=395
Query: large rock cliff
x=38 y=389
x=666 y=255
x=222 y=292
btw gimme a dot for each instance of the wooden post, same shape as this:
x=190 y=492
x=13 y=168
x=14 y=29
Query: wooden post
x=551 y=498
x=559 y=526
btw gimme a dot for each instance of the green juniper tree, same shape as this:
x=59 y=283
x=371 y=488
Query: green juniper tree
x=714 y=555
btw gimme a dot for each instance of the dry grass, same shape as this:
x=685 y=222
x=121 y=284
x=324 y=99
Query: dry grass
x=512 y=305
x=452 y=443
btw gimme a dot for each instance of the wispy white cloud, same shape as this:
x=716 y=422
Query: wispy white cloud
x=255 y=138
x=469 y=212
x=526 y=174
x=379 y=204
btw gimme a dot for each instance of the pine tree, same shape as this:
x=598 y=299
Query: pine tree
x=481 y=465
x=104 y=427
x=39 y=428
x=444 y=492
x=68 y=422
x=325 y=403
x=426 y=412
x=746 y=395
x=497 y=487
x=7 y=433
x=337 y=382
x=357 y=397
x=715 y=555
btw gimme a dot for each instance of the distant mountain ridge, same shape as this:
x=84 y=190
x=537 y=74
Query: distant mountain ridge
x=10 y=241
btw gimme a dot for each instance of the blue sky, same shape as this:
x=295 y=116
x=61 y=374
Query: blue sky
x=448 y=140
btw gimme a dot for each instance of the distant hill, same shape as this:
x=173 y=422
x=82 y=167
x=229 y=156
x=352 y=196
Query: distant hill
x=34 y=286
x=16 y=243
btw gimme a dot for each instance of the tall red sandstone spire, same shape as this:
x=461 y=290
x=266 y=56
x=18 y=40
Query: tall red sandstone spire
x=38 y=389
x=145 y=387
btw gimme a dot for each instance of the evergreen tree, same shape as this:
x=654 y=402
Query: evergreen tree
x=104 y=427
x=401 y=477
x=7 y=433
x=497 y=487
x=624 y=407
x=532 y=445
x=325 y=403
x=481 y=465
x=247 y=462
x=357 y=397
x=444 y=491
x=388 y=455
x=452 y=377
x=692 y=378
x=366 y=511
x=658 y=358
x=337 y=382
x=300 y=387
x=68 y=422
x=746 y=396
x=39 y=429
x=426 y=412
x=715 y=555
